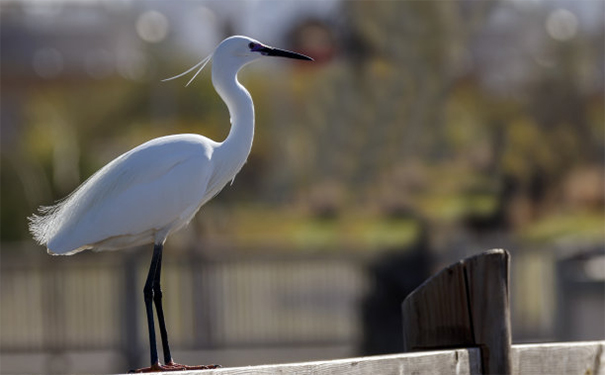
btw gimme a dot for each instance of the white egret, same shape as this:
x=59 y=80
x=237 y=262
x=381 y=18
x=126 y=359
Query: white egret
x=156 y=188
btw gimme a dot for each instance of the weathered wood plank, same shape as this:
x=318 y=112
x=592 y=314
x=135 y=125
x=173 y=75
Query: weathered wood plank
x=436 y=314
x=487 y=283
x=581 y=358
x=454 y=362
x=464 y=305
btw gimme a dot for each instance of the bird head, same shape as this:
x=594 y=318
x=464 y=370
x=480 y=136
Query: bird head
x=243 y=50
x=237 y=51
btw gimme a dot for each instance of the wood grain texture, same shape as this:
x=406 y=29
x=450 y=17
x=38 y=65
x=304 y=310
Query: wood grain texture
x=568 y=358
x=464 y=305
x=571 y=358
x=454 y=362
x=487 y=283
x=436 y=314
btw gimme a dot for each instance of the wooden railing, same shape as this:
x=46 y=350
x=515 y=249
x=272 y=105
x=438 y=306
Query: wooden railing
x=458 y=322
x=464 y=305
x=581 y=358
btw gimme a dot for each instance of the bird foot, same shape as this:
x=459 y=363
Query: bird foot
x=173 y=366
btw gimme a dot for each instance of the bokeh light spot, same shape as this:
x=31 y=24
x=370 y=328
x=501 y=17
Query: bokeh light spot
x=152 y=26
x=562 y=25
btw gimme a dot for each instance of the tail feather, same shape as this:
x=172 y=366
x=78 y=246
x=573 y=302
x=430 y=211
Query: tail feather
x=40 y=224
x=43 y=225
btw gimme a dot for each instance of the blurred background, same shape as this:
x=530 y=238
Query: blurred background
x=424 y=132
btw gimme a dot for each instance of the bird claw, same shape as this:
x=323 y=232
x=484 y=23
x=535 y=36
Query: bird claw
x=173 y=366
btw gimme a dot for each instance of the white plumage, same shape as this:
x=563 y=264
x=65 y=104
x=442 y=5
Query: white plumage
x=148 y=192
x=156 y=188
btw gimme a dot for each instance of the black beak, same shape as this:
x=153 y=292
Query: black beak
x=270 y=51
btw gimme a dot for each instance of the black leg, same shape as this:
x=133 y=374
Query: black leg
x=157 y=299
x=148 y=295
x=153 y=295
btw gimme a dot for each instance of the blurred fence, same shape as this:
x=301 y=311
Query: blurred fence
x=225 y=300
x=95 y=301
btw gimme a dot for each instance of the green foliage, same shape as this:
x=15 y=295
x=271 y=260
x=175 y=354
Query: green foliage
x=402 y=121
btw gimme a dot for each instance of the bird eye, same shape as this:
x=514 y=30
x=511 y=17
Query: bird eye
x=251 y=45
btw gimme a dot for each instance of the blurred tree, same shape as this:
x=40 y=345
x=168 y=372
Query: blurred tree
x=385 y=101
x=399 y=114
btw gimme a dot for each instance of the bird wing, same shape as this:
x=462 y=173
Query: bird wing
x=152 y=188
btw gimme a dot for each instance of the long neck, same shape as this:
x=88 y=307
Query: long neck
x=238 y=143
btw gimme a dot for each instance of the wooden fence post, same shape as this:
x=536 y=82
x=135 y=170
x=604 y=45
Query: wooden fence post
x=464 y=305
